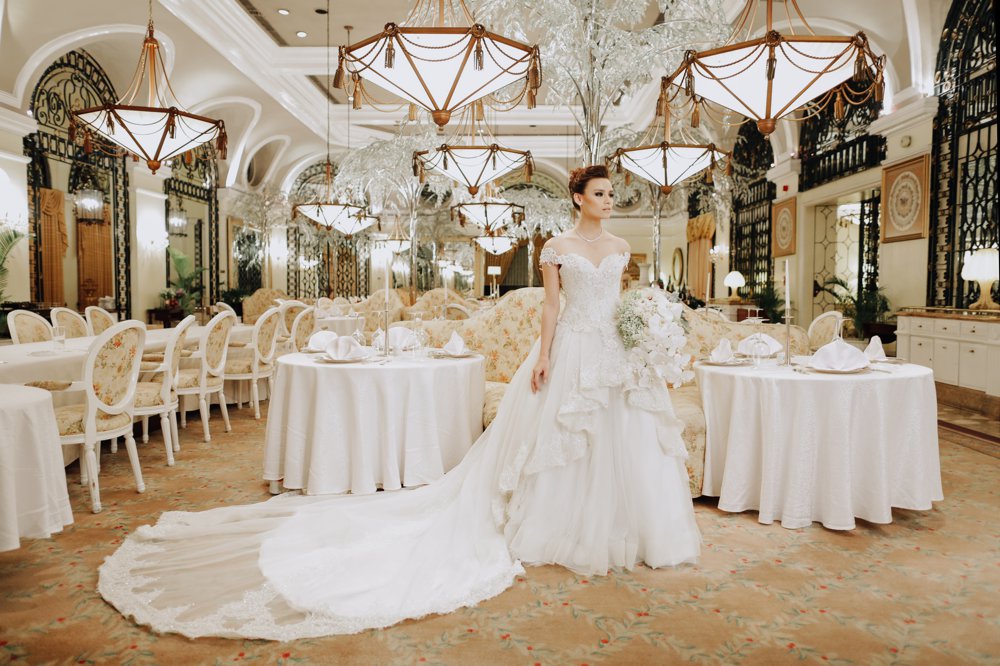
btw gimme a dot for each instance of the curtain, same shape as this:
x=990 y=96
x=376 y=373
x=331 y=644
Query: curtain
x=700 y=231
x=94 y=260
x=55 y=242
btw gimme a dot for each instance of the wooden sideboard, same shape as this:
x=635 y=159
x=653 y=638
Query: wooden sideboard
x=963 y=350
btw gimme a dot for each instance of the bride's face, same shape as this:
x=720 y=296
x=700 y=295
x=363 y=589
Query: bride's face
x=597 y=200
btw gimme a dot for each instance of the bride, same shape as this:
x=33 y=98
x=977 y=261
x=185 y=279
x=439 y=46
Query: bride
x=581 y=467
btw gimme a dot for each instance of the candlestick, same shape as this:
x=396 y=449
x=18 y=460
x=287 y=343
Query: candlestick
x=788 y=317
x=708 y=286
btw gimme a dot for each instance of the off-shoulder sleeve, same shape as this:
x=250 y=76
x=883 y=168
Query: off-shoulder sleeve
x=548 y=256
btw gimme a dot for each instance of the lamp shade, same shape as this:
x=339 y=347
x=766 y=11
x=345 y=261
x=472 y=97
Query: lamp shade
x=667 y=164
x=495 y=244
x=982 y=264
x=330 y=215
x=491 y=215
x=474 y=166
x=734 y=280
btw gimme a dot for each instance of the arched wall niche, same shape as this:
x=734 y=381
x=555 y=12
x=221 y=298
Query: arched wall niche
x=80 y=259
x=192 y=191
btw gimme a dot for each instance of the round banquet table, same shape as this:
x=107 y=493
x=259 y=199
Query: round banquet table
x=340 y=325
x=34 y=502
x=355 y=427
x=803 y=446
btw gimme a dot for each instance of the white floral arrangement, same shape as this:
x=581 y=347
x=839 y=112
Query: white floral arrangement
x=650 y=326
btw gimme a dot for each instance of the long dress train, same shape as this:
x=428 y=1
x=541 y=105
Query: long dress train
x=587 y=473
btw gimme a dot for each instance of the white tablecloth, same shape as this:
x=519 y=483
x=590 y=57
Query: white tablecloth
x=817 y=447
x=340 y=325
x=354 y=427
x=33 y=498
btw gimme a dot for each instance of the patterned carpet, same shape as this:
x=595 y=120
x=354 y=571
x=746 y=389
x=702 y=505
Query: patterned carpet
x=921 y=590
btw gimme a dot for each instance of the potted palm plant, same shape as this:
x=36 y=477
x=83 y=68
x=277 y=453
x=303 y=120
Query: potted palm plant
x=9 y=237
x=771 y=303
x=187 y=286
x=865 y=310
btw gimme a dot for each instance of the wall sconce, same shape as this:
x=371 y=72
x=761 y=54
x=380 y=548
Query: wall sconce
x=89 y=206
x=718 y=253
x=177 y=219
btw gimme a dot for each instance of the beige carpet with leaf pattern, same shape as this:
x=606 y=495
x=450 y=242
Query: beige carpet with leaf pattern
x=924 y=589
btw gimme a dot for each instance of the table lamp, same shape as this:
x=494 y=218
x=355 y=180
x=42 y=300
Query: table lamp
x=734 y=280
x=982 y=266
x=493 y=272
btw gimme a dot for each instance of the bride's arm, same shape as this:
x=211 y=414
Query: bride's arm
x=550 y=313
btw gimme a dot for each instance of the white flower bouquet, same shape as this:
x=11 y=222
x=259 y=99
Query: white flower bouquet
x=650 y=327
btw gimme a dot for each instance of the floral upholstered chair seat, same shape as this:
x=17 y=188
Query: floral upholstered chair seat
x=260 y=302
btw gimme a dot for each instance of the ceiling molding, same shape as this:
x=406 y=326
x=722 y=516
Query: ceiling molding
x=238 y=147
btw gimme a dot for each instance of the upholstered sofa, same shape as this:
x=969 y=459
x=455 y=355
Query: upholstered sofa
x=260 y=302
x=430 y=303
x=505 y=334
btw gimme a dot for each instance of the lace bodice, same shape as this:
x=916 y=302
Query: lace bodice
x=592 y=292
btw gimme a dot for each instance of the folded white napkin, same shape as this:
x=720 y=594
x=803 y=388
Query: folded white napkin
x=874 y=351
x=319 y=340
x=455 y=345
x=345 y=348
x=750 y=344
x=402 y=339
x=723 y=352
x=838 y=355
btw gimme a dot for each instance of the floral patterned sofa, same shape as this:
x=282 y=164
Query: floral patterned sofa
x=430 y=303
x=260 y=302
x=505 y=334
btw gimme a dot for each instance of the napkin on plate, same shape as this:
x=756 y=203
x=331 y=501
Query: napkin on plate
x=838 y=355
x=319 y=340
x=345 y=348
x=402 y=339
x=750 y=344
x=723 y=352
x=874 y=351
x=455 y=345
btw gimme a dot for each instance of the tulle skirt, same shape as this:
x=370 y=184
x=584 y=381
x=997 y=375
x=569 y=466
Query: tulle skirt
x=588 y=473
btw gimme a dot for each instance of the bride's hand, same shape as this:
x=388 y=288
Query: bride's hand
x=539 y=375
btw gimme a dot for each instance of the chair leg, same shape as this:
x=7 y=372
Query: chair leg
x=165 y=427
x=224 y=410
x=114 y=445
x=145 y=430
x=184 y=416
x=90 y=460
x=173 y=431
x=203 y=406
x=83 y=464
x=255 y=396
x=133 y=457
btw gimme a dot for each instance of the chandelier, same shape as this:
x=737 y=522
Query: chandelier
x=667 y=162
x=89 y=205
x=397 y=241
x=440 y=68
x=718 y=254
x=177 y=219
x=495 y=244
x=156 y=131
x=329 y=212
x=491 y=214
x=771 y=76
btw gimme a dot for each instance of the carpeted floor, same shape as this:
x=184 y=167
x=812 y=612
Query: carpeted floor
x=921 y=590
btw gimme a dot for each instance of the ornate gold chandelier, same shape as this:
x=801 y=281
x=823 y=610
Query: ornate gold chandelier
x=441 y=68
x=771 y=76
x=156 y=131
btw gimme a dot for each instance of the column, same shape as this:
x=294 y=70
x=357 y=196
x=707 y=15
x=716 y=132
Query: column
x=785 y=175
x=14 y=127
x=149 y=237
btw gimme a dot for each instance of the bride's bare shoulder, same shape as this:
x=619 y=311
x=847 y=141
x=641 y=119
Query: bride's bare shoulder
x=557 y=243
x=621 y=245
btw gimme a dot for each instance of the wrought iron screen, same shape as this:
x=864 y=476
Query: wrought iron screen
x=831 y=149
x=750 y=231
x=869 y=239
x=964 y=165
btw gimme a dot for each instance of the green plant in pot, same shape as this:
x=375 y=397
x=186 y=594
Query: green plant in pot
x=187 y=283
x=864 y=309
x=771 y=303
x=9 y=237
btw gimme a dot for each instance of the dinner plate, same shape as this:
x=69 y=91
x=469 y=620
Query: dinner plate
x=736 y=362
x=830 y=371
x=327 y=359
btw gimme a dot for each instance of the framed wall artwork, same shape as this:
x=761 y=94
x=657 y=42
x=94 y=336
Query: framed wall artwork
x=783 y=227
x=906 y=199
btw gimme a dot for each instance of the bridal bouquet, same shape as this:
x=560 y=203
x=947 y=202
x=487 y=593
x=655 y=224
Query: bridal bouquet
x=649 y=325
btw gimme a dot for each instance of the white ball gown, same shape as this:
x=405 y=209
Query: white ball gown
x=587 y=473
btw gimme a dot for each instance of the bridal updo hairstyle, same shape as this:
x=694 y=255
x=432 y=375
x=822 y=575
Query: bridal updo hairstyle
x=579 y=178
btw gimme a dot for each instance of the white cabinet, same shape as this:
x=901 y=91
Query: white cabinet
x=960 y=350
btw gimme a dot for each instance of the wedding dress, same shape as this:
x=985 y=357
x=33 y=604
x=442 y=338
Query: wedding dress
x=587 y=473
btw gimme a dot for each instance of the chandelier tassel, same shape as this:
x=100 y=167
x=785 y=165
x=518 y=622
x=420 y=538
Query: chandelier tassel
x=171 y=125
x=661 y=100
x=628 y=178
x=390 y=54
x=412 y=112
x=839 y=111
x=222 y=143
x=729 y=167
x=529 y=169
x=479 y=55
x=480 y=112
x=879 y=91
x=358 y=91
x=416 y=165
x=445 y=158
x=861 y=72
x=341 y=75
x=696 y=116
x=772 y=63
x=88 y=146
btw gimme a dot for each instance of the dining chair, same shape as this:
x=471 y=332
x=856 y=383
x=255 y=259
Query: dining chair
x=26 y=326
x=303 y=326
x=98 y=319
x=72 y=321
x=110 y=375
x=259 y=365
x=824 y=328
x=221 y=306
x=158 y=396
x=206 y=379
x=289 y=310
x=324 y=303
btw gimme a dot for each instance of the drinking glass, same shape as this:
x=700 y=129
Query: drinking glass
x=358 y=334
x=758 y=350
x=59 y=338
x=423 y=339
